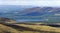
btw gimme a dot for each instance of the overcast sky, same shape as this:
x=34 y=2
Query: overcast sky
x=31 y=2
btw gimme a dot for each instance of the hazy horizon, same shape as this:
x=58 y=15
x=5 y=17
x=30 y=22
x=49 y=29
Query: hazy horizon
x=51 y=3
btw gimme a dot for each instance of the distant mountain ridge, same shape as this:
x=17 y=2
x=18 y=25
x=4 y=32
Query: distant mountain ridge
x=31 y=13
x=37 y=11
x=48 y=14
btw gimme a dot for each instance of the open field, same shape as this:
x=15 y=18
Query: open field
x=28 y=28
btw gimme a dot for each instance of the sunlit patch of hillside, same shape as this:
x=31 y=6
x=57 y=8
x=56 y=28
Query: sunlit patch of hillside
x=41 y=27
x=6 y=29
x=33 y=28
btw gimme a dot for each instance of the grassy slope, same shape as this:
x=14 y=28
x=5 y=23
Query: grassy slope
x=6 y=29
x=42 y=29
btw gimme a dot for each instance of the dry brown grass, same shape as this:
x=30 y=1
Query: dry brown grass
x=6 y=29
x=41 y=28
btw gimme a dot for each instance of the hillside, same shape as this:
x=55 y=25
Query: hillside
x=7 y=20
x=27 y=28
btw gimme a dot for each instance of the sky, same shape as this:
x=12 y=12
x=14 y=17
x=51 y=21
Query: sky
x=31 y=2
